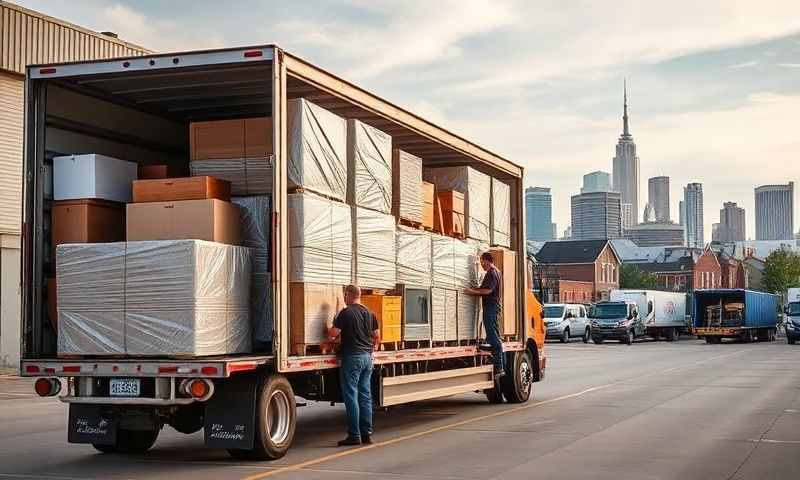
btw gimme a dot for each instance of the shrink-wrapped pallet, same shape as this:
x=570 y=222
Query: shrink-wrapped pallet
x=407 y=192
x=91 y=298
x=187 y=297
x=369 y=167
x=248 y=176
x=454 y=262
x=501 y=213
x=444 y=321
x=256 y=213
x=317 y=143
x=465 y=264
x=467 y=310
x=320 y=240
x=374 y=249
x=476 y=187
x=414 y=263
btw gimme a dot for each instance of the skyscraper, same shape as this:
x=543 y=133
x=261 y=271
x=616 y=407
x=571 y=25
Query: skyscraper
x=731 y=227
x=596 y=182
x=658 y=197
x=626 y=168
x=775 y=212
x=693 y=215
x=596 y=215
x=538 y=214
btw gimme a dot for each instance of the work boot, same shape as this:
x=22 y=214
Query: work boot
x=499 y=372
x=349 y=441
x=485 y=347
x=366 y=438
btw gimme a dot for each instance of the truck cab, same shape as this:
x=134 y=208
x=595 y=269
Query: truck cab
x=565 y=321
x=616 y=320
x=792 y=323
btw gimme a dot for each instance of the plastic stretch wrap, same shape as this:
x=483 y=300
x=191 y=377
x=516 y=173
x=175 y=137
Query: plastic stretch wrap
x=187 y=297
x=467 y=312
x=248 y=176
x=414 y=262
x=317 y=142
x=454 y=262
x=501 y=213
x=465 y=264
x=444 y=305
x=320 y=240
x=91 y=298
x=479 y=248
x=256 y=213
x=476 y=187
x=407 y=191
x=369 y=167
x=374 y=247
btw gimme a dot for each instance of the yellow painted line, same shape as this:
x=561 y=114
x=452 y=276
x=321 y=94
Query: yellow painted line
x=450 y=426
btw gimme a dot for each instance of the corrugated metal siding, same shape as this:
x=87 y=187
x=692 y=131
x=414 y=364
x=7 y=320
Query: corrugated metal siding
x=27 y=37
x=760 y=309
x=11 y=102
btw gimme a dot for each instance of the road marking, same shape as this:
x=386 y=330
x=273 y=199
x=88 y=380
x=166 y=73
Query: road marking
x=767 y=440
x=450 y=426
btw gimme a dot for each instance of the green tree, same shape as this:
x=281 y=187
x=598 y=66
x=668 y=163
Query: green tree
x=782 y=271
x=632 y=277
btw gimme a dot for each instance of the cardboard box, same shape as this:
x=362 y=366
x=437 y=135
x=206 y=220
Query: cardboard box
x=152 y=172
x=450 y=217
x=185 y=188
x=506 y=261
x=87 y=221
x=93 y=176
x=407 y=197
x=428 y=194
x=212 y=220
x=389 y=312
x=312 y=307
x=258 y=137
x=216 y=139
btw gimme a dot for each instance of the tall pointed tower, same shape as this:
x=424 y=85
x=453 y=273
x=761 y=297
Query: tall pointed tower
x=626 y=169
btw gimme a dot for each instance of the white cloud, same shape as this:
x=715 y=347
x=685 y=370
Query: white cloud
x=751 y=63
x=789 y=65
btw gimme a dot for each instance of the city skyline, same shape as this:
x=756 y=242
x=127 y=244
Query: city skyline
x=626 y=168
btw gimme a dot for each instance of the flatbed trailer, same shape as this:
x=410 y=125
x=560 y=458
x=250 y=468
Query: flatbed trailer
x=141 y=106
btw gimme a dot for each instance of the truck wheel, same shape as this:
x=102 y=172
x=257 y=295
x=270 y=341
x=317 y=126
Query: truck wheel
x=709 y=340
x=671 y=335
x=565 y=336
x=628 y=340
x=598 y=340
x=587 y=335
x=518 y=380
x=494 y=395
x=276 y=419
x=791 y=340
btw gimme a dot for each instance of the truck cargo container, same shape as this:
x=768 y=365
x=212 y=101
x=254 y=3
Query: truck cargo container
x=140 y=109
x=744 y=315
x=663 y=313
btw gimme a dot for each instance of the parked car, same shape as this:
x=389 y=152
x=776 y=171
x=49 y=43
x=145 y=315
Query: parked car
x=565 y=321
x=792 y=322
x=618 y=320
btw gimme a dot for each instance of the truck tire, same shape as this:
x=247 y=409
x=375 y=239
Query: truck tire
x=130 y=442
x=598 y=340
x=671 y=335
x=709 y=340
x=517 y=383
x=791 y=340
x=494 y=395
x=276 y=420
x=628 y=339
x=565 y=335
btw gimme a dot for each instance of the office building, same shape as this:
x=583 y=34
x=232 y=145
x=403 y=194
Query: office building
x=554 y=231
x=775 y=212
x=655 y=235
x=626 y=216
x=596 y=215
x=626 y=169
x=693 y=215
x=731 y=226
x=596 y=182
x=538 y=214
x=658 y=197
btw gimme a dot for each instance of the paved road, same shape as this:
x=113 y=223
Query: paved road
x=651 y=410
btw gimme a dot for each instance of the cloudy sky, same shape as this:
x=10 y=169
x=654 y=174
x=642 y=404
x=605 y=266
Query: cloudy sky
x=714 y=86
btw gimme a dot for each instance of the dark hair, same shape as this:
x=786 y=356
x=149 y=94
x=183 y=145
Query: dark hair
x=487 y=256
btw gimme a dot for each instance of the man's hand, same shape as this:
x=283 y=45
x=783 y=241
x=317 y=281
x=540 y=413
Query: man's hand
x=333 y=334
x=376 y=339
x=478 y=292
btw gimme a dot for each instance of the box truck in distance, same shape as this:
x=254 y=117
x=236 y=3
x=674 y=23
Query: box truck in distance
x=663 y=313
x=743 y=315
x=153 y=328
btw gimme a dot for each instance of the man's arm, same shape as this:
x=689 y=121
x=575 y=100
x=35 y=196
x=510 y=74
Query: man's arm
x=334 y=332
x=376 y=339
x=478 y=292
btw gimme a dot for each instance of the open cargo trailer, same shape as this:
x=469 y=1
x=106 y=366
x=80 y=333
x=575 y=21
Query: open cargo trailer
x=744 y=315
x=139 y=109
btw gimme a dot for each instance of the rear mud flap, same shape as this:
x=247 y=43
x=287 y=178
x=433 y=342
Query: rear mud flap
x=94 y=424
x=230 y=414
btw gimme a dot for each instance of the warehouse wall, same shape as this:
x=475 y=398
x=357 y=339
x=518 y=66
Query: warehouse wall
x=9 y=301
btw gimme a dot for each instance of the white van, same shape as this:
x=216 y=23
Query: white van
x=566 y=320
x=663 y=313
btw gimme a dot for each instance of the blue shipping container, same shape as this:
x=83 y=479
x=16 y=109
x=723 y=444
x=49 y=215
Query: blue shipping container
x=760 y=309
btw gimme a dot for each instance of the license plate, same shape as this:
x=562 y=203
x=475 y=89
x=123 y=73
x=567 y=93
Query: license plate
x=125 y=387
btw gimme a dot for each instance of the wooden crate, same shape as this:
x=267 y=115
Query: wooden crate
x=154 y=172
x=185 y=188
x=389 y=311
x=428 y=194
x=450 y=216
x=312 y=308
x=506 y=261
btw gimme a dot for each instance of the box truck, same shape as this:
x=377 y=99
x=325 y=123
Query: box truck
x=140 y=109
x=744 y=315
x=663 y=313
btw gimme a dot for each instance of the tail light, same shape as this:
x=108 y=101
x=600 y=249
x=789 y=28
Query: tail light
x=198 y=388
x=47 y=387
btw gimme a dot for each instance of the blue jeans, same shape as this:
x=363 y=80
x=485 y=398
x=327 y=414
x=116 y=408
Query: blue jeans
x=355 y=377
x=493 y=334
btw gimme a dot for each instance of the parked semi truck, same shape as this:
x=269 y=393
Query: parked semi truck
x=744 y=315
x=663 y=313
x=139 y=108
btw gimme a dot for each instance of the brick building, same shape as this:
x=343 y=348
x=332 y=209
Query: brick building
x=687 y=269
x=583 y=267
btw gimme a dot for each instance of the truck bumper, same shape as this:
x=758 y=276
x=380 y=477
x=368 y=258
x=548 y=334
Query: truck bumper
x=717 y=332
x=612 y=333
